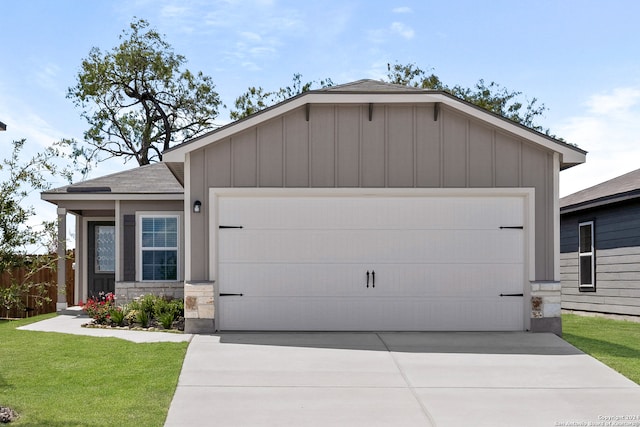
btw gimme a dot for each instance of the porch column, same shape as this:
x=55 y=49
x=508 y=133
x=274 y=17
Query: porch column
x=62 y=255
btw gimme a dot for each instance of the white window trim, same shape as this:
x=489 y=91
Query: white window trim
x=139 y=249
x=591 y=254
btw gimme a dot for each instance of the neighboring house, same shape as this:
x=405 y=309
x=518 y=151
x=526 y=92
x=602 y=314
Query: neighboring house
x=364 y=206
x=600 y=247
x=3 y=126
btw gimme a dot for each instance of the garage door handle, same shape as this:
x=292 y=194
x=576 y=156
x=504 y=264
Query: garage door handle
x=511 y=295
x=373 y=278
x=367 y=278
x=230 y=295
x=511 y=227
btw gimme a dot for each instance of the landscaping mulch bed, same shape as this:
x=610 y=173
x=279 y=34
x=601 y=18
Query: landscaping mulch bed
x=154 y=326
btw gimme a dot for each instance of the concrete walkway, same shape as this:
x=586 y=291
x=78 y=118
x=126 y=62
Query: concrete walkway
x=396 y=379
x=72 y=324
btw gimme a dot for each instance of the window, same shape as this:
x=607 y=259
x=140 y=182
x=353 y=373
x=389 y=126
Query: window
x=105 y=244
x=159 y=247
x=586 y=257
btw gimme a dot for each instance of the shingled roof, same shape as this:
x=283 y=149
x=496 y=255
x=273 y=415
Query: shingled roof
x=157 y=178
x=369 y=86
x=621 y=188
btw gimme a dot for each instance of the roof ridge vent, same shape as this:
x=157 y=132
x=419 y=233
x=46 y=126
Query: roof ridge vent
x=88 y=189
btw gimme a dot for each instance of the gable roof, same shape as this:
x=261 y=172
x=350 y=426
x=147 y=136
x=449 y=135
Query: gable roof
x=158 y=180
x=372 y=92
x=621 y=188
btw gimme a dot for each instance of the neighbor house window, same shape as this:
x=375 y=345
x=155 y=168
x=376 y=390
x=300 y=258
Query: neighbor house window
x=586 y=257
x=159 y=247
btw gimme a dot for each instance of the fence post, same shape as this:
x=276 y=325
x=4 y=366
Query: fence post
x=62 y=263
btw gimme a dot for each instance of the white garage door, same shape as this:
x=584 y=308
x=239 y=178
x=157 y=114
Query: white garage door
x=370 y=263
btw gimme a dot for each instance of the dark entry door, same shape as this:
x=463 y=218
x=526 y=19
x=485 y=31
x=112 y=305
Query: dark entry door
x=101 y=257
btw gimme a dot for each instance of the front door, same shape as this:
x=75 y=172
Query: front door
x=101 y=258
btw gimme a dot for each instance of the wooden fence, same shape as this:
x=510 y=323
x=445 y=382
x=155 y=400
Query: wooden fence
x=45 y=275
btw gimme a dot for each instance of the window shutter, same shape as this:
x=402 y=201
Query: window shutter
x=129 y=248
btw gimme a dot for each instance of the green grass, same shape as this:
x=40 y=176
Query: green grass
x=54 y=379
x=615 y=343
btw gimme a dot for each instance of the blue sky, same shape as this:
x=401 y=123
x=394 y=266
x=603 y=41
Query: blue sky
x=580 y=58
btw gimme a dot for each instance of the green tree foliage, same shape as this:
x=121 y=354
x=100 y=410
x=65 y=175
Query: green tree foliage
x=257 y=99
x=491 y=96
x=17 y=237
x=139 y=100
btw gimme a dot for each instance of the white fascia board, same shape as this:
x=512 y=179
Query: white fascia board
x=52 y=197
x=568 y=154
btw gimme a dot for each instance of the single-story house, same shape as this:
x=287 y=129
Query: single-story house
x=364 y=206
x=600 y=247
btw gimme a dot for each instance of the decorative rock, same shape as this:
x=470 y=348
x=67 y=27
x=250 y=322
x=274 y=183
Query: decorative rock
x=7 y=415
x=177 y=326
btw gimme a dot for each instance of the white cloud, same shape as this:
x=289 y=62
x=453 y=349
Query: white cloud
x=402 y=9
x=379 y=35
x=262 y=51
x=47 y=77
x=402 y=30
x=252 y=37
x=619 y=101
x=609 y=130
x=173 y=11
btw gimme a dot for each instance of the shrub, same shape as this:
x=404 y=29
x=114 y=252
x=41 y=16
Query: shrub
x=178 y=307
x=166 y=320
x=147 y=303
x=161 y=306
x=131 y=316
x=143 y=318
x=116 y=315
x=99 y=308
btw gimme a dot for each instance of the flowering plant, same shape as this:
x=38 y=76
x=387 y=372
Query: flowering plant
x=99 y=308
x=146 y=311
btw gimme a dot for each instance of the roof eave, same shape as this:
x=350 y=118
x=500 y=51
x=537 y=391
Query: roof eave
x=601 y=201
x=54 y=196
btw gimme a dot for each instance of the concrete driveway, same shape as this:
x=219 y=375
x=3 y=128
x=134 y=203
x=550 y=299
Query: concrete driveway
x=397 y=379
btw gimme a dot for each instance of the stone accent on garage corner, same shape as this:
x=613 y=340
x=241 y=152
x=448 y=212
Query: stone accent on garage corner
x=199 y=308
x=545 y=307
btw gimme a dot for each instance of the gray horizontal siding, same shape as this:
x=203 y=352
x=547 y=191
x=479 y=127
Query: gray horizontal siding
x=619 y=309
x=617 y=259
x=617 y=282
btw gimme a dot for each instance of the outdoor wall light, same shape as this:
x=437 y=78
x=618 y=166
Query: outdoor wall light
x=197 y=206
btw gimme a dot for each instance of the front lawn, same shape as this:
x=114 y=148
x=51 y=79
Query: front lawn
x=69 y=380
x=615 y=343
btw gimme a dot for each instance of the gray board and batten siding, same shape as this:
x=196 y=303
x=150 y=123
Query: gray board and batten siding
x=617 y=259
x=374 y=146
